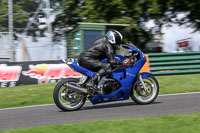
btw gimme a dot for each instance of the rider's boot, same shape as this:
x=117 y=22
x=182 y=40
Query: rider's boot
x=92 y=83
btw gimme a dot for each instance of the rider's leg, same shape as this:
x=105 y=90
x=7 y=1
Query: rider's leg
x=92 y=83
x=101 y=69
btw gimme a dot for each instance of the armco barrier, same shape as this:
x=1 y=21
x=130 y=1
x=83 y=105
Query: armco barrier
x=35 y=72
x=174 y=63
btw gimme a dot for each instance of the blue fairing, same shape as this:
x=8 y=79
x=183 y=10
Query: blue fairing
x=117 y=57
x=145 y=74
x=126 y=76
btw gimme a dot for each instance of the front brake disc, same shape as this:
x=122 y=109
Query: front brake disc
x=140 y=89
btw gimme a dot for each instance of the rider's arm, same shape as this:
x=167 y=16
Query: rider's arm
x=116 y=63
x=110 y=55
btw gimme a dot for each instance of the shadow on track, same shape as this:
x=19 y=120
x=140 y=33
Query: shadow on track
x=111 y=105
x=114 y=105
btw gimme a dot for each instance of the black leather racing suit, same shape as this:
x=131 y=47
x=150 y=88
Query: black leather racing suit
x=91 y=58
x=99 y=49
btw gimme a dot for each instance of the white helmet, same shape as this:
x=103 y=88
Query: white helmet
x=114 y=37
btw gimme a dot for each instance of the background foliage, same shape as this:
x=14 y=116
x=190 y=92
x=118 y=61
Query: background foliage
x=136 y=13
x=21 y=10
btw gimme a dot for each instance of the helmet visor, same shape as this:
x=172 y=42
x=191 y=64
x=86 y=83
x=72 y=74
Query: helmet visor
x=111 y=37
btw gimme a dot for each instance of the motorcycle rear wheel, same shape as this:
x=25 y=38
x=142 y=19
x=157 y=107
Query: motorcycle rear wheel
x=139 y=96
x=66 y=99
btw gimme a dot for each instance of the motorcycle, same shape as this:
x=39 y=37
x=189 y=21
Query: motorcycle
x=122 y=83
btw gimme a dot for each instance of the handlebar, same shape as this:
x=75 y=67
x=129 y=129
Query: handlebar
x=120 y=66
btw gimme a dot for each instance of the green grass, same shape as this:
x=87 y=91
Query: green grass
x=42 y=94
x=187 y=123
x=26 y=95
x=179 y=83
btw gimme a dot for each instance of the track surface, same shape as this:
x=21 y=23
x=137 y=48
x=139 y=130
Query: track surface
x=50 y=114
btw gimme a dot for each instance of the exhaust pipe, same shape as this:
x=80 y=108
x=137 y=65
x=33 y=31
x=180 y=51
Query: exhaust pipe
x=76 y=88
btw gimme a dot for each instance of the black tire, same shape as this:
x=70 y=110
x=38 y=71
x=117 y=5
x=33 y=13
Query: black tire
x=145 y=99
x=57 y=96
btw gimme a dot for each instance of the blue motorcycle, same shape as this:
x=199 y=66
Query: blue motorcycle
x=121 y=84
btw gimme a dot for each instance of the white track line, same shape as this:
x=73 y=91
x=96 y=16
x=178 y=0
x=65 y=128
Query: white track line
x=43 y=105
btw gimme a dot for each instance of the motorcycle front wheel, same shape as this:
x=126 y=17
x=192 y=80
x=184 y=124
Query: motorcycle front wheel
x=140 y=96
x=66 y=99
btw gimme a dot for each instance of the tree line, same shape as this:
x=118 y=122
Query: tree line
x=134 y=12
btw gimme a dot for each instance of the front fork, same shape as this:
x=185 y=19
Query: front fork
x=143 y=84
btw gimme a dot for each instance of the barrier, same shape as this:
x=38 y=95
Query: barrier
x=174 y=63
x=34 y=72
x=41 y=72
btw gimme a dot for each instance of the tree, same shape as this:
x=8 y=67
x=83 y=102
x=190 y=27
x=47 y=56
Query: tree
x=3 y=16
x=23 y=10
x=182 y=12
x=136 y=13
x=19 y=15
x=106 y=11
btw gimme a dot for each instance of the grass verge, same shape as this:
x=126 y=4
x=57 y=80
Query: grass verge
x=42 y=94
x=26 y=95
x=179 y=83
x=187 y=123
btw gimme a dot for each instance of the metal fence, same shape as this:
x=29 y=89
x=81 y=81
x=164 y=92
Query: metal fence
x=27 y=24
x=5 y=49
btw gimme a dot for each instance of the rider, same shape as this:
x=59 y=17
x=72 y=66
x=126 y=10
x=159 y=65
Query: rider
x=101 y=48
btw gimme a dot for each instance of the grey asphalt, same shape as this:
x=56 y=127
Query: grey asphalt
x=50 y=114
